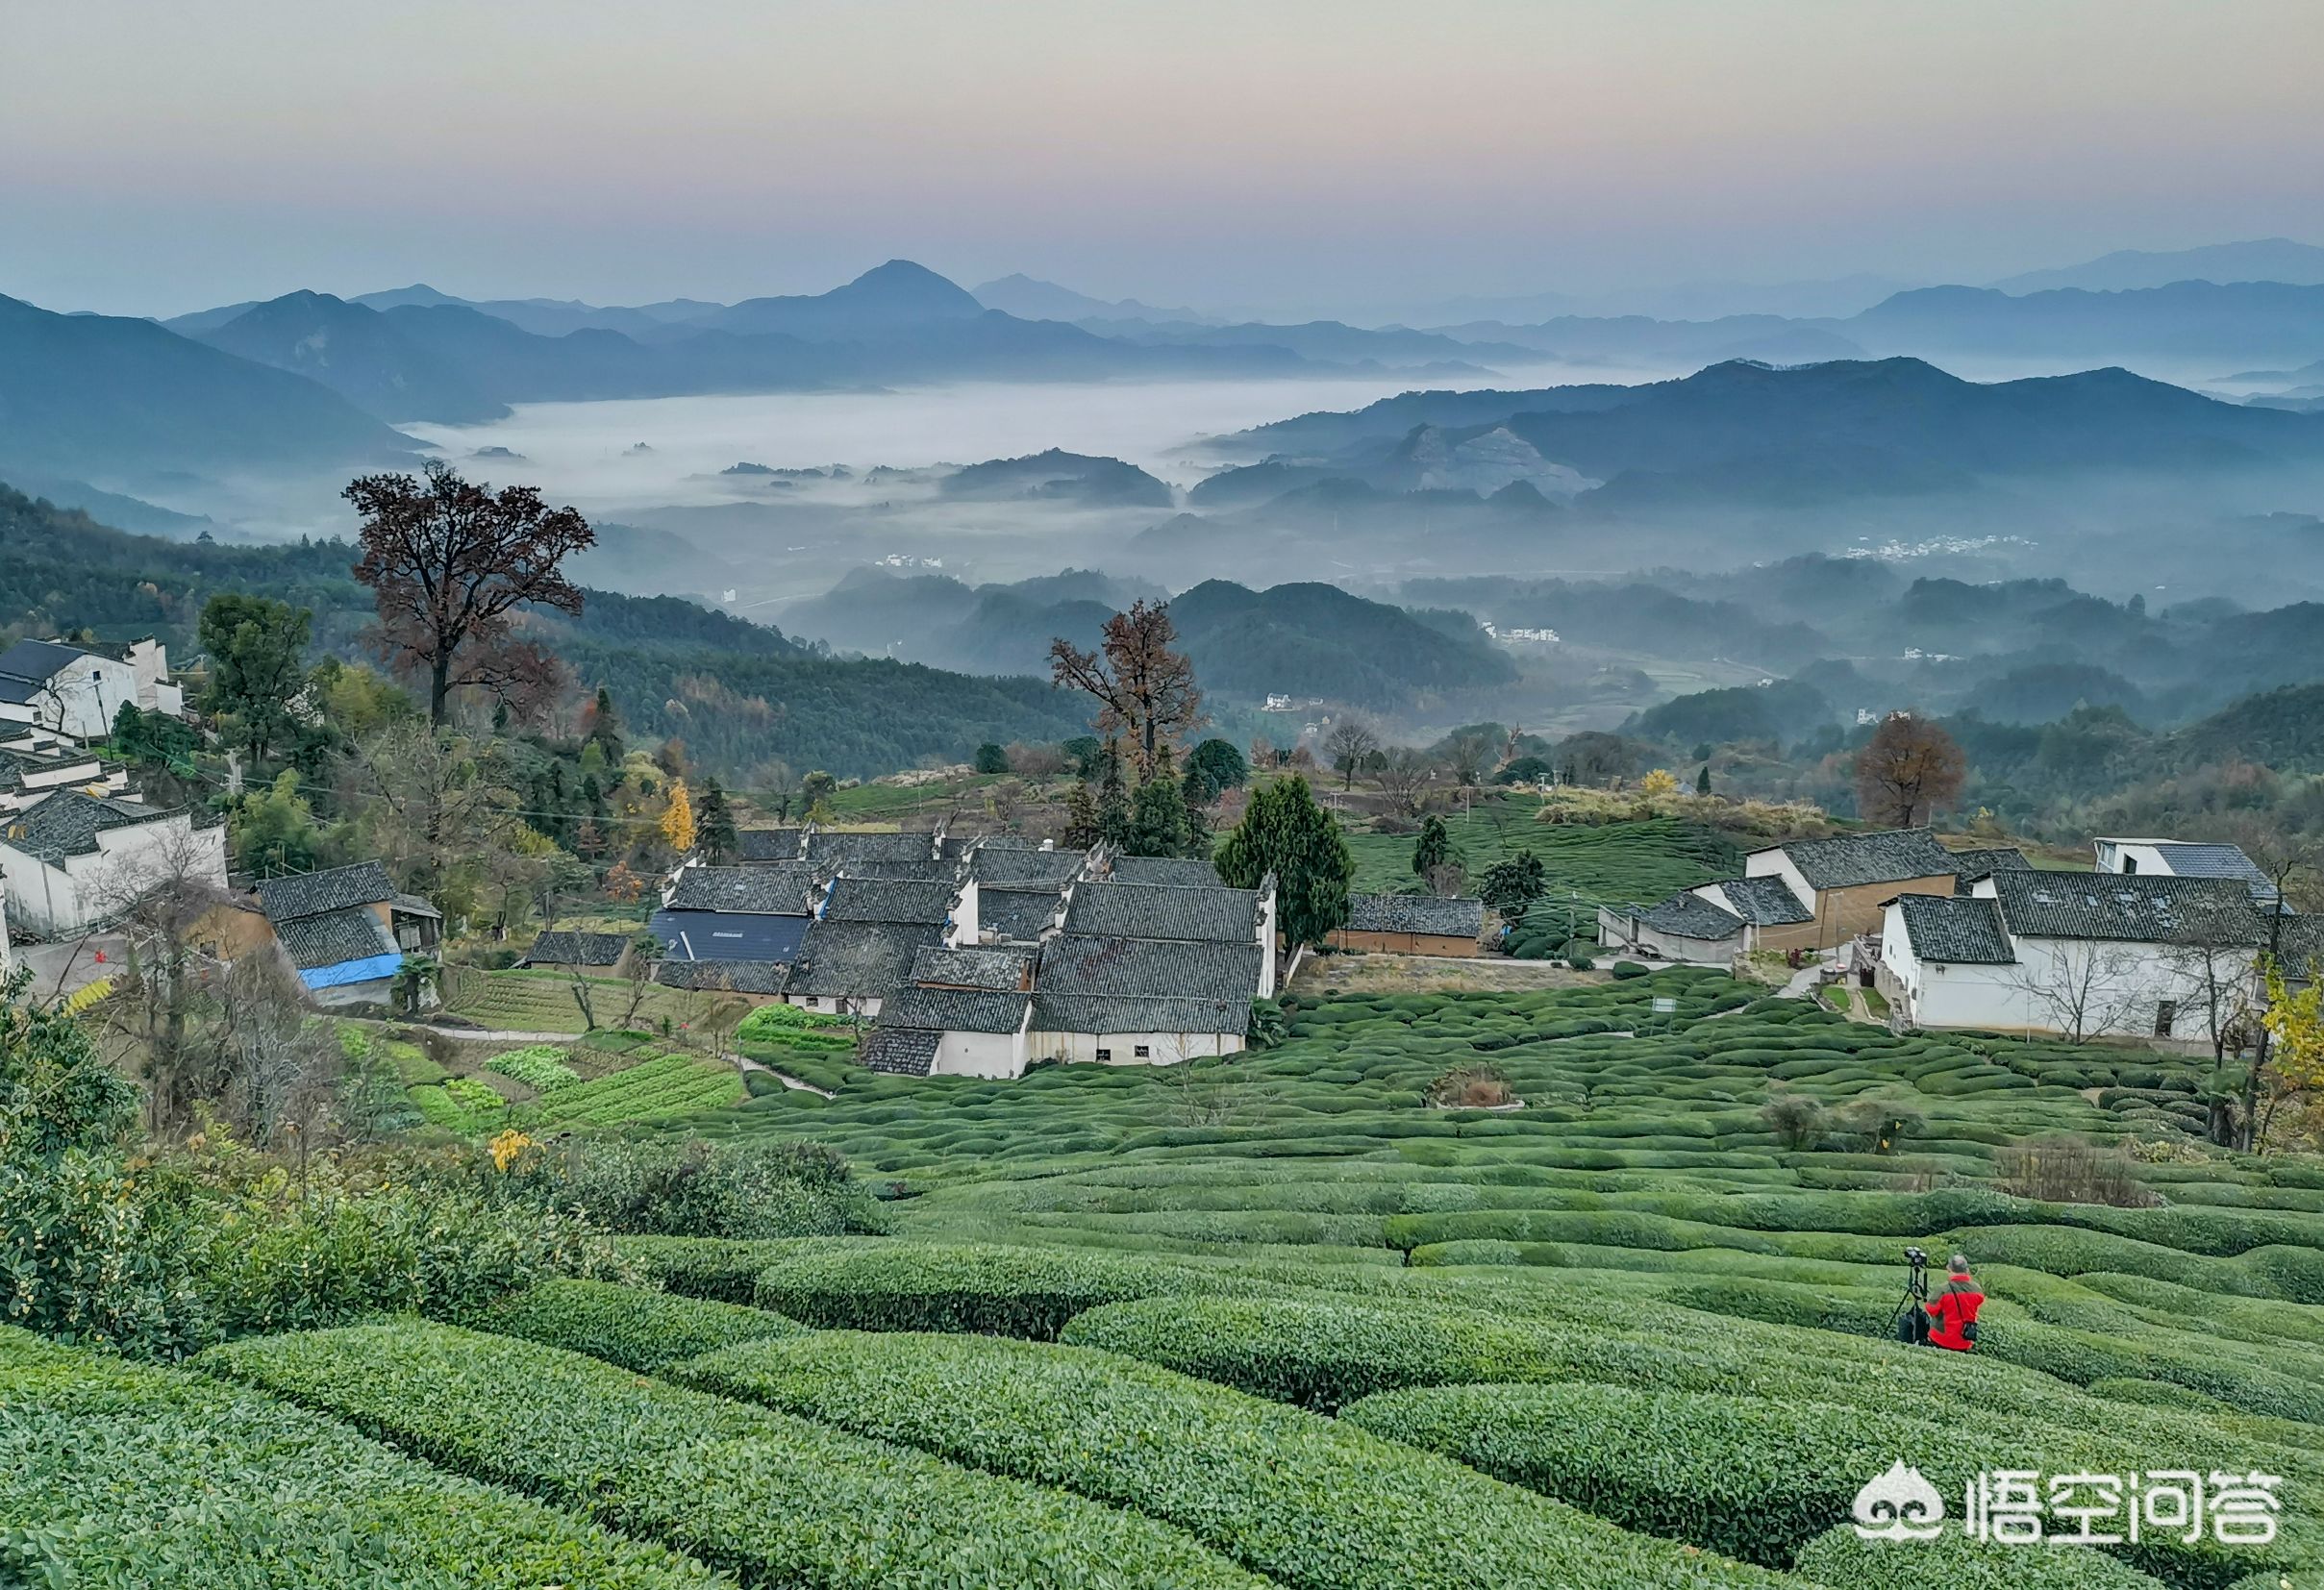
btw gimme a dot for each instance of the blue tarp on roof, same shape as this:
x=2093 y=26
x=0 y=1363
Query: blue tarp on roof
x=369 y=969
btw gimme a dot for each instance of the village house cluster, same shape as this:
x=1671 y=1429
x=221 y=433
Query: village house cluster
x=2162 y=941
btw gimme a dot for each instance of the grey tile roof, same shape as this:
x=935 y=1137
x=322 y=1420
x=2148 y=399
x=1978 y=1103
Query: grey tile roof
x=1764 y=901
x=888 y=899
x=1847 y=860
x=2143 y=907
x=726 y=936
x=577 y=949
x=1977 y=862
x=910 y=870
x=1149 y=968
x=19 y=691
x=1014 y=865
x=1688 y=915
x=779 y=888
x=734 y=977
x=39 y=661
x=857 y=959
x=1104 y=1015
x=364 y=883
x=2193 y=858
x=411 y=905
x=823 y=845
x=902 y=1050
x=67 y=823
x=1164 y=911
x=1182 y=871
x=2299 y=942
x=1958 y=931
x=953 y=847
x=1002 y=970
x=327 y=938
x=769 y=844
x=954 y=1011
x=1415 y=913
x=1019 y=914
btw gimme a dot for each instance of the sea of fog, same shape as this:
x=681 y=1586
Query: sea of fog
x=590 y=452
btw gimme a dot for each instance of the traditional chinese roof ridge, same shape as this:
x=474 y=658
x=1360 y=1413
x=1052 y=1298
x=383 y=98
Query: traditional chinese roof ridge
x=1415 y=913
x=305 y=894
x=857 y=959
x=67 y=823
x=1849 y=860
x=731 y=976
x=1182 y=871
x=1956 y=930
x=888 y=899
x=1017 y=864
x=1762 y=901
x=332 y=939
x=1106 y=1015
x=1688 y=915
x=577 y=949
x=1002 y=970
x=826 y=845
x=774 y=887
x=954 y=1009
x=1166 y=910
x=912 y=870
x=2137 y=908
x=1150 y=968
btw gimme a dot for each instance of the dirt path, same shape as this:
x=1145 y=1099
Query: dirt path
x=796 y=1084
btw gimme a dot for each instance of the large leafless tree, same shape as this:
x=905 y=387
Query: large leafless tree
x=1908 y=771
x=449 y=564
x=1142 y=687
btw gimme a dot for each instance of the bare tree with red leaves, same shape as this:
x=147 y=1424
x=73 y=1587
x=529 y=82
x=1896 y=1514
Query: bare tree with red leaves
x=1143 y=688
x=449 y=563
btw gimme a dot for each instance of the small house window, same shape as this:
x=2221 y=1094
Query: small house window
x=1104 y=1053
x=1143 y=1051
x=2167 y=1014
x=2130 y=864
x=813 y=1004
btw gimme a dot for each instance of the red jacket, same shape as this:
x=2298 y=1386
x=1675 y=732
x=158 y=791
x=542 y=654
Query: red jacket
x=1951 y=1309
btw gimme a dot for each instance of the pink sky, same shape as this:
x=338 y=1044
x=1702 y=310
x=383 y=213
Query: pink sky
x=160 y=156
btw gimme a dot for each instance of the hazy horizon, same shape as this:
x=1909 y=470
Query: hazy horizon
x=1294 y=157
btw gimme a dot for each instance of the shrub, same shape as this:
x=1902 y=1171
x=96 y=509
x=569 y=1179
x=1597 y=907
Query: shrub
x=628 y=1325
x=1580 y=963
x=123 y=1477
x=780 y=1499
x=1470 y=1087
x=751 y=1190
x=2072 y=1170
x=540 y=1066
x=1308 y=1502
x=1317 y=1355
x=1843 y=1561
x=1744 y=1475
x=770 y=1023
x=998 y=1291
x=1796 y=1120
x=1624 y=970
x=701 y=1267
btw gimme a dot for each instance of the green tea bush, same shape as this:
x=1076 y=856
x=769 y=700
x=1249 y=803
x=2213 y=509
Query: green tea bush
x=1748 y=1476
x=987 y=1290
x=744 y=1191
x=699 y=1266
x=1308 y=1502
x=1841 y=1560
x=124 y=1476
x=778 y=1500
x=627 y=1325
x=1318 y=1354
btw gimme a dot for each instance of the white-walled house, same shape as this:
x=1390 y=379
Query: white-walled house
x=2183 y=858
x=77 y=690
x=2095 y=955
x=76 y=860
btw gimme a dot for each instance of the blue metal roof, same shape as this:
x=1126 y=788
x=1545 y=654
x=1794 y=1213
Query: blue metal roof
x=370 y=969
x=728 y=935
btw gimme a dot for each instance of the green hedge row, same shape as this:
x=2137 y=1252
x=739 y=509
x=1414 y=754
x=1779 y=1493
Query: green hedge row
x=1308 y=1502
x=984 y=1291
x=623 y=1324
x=1318 y=1354
x=777 y=1499
x=122 y=1476
x=1841 y=1560
x=1751 y=1477
x=724 y=1268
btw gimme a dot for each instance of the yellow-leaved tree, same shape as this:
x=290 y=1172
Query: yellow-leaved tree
x=2294 y=1019
x=1661 y=782
x=678 y=818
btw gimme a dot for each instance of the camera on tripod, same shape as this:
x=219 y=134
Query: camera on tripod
x=1916 y=1293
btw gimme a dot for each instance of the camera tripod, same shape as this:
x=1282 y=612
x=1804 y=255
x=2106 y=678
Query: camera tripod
x=1916 y=1294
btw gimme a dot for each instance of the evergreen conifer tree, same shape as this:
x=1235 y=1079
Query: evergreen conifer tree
x=1284 y=832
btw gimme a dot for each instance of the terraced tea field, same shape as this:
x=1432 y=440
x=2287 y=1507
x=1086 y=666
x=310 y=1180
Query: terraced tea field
x=1279 y=1321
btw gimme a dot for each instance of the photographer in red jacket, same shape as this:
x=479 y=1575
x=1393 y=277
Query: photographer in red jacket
x=1952 y=1314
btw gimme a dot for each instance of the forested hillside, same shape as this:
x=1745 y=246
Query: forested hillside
x=738 y=693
